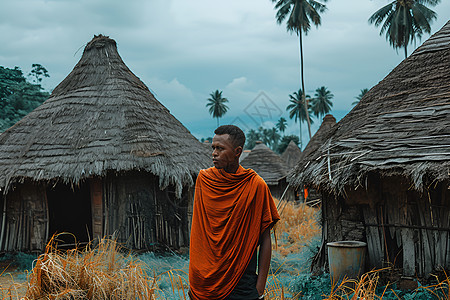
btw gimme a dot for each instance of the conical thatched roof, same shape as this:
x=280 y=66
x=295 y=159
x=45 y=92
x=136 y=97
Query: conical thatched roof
x=319 y=137
x=100 y=118
x=266 y=163
x=400 y=127
x=291 y=155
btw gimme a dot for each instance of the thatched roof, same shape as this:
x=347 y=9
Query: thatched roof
x=291 y=155
x=100 y=118
x=319 y=137
x=244 y=154
x=266 y=163
x=400 y=127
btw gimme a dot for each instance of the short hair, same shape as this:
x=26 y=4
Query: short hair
x=237 y=136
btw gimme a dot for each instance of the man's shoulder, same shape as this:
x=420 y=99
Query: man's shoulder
x=205 y=173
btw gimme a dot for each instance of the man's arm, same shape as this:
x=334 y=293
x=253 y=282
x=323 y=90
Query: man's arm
x=265 y=254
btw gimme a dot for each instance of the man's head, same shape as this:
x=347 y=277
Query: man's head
x=227 y=146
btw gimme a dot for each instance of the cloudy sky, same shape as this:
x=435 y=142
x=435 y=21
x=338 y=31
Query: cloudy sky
x=184 y=50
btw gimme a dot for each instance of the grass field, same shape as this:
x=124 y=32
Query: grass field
x=110 y=272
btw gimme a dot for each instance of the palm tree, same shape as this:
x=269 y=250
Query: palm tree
x=321 y=103
x=274 y=137
x=297 y=110
x=216 y=104
x=359 y=97
x=299 y=14
x=404 y=20
x=281 y=124
x=252 y=137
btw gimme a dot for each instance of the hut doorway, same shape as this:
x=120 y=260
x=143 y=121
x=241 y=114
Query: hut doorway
x=70 y=211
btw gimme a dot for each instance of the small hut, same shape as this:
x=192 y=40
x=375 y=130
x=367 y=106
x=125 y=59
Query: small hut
x=319 y=137
x=270 y=167
x=291 y=155
x=101 y=157
x=313 y=197
x=384 y=169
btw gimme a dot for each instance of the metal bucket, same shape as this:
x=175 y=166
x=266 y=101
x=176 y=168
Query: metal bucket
x=346 y=258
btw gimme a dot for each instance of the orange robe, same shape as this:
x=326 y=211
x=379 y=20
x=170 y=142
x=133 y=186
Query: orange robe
x=231 y=211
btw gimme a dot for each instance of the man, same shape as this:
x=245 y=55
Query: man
x=233 y=214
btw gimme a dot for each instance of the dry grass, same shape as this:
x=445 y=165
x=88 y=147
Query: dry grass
x=367 y=286
x=99 y=273
x=298 y=224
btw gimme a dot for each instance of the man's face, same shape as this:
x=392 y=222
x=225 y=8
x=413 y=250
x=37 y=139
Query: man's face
x=225 y=154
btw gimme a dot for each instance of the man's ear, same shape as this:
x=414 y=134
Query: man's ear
x=238 y=151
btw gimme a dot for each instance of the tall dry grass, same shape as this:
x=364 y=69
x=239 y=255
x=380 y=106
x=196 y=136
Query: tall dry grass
x=298 y=225
x=103 y=272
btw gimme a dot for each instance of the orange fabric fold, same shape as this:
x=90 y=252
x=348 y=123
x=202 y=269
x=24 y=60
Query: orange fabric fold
x=231 y=211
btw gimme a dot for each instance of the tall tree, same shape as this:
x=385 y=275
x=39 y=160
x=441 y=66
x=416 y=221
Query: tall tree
x=299 y=15
x=38 y=72
x=404 y=20
x=18 y=96
x=321 y=103
x=217 y=106
x=274 y=137
x=359 y=97
x=298 y=111
x=281 y=124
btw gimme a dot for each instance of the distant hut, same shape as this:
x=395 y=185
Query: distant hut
x=100 y=157
x=319 y=137
x=244 y=154
x=270 y=167
x=310 y=195
x=384 y=169
x=291 y=154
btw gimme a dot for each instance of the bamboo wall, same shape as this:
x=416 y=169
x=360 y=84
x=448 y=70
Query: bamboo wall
x=24 y=219
x=402 y=227
x=130 y=207
x=142 y=216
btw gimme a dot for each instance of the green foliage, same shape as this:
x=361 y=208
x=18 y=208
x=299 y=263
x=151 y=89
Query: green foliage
x=321 y=103
x=18 y=97
x=285 y=140
x=251 y=138
x=312 y=288
x=269 y=136
x=404 y=21
x=281 y=124
x=297 y=110
x=37 y=72
x=19 y=260
x=299 y=14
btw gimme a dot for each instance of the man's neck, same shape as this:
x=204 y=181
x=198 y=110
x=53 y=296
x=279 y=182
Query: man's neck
x=232 y=169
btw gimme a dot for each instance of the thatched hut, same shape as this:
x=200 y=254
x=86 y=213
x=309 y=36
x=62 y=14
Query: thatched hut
x=100 y=157
x=384 y=169
x=271 y=168
x=312 y=197
x=291 y=155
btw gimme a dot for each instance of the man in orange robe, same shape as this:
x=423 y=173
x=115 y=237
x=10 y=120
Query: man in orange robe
x=233 y=214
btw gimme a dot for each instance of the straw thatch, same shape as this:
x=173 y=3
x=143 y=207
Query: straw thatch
x=100 y=118
x=291 y=155
x=319 y=137
x=400 y=127
x=266 y=163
